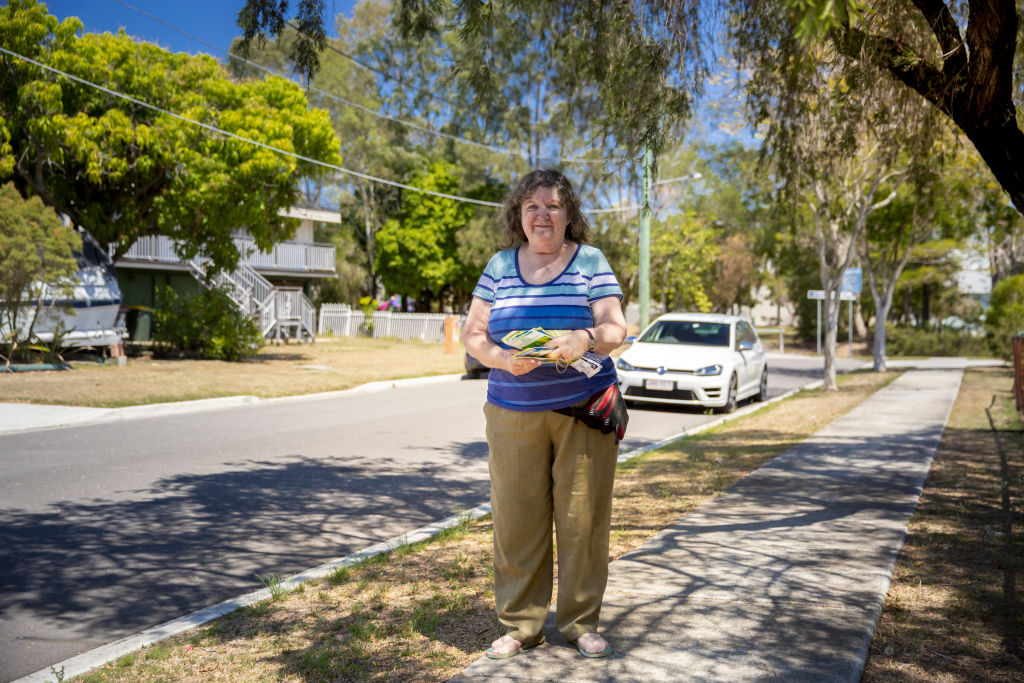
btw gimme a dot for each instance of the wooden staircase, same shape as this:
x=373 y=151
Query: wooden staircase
x=282 y=313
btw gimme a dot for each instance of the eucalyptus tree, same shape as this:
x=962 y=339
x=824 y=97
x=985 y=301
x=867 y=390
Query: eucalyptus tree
x=938 y=206
x=646 y=59
x=1001 y=228
x=964 y=57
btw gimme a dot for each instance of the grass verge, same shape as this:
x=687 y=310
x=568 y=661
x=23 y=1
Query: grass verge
x=424 y=612
x=278 y=370
x=952 y=612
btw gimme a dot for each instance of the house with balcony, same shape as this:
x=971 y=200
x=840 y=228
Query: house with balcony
x=274 y=286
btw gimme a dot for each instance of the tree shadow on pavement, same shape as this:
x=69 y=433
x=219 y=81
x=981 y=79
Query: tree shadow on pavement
x=111 y=568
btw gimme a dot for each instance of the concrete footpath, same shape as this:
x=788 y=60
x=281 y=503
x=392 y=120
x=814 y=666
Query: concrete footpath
x=781 y=578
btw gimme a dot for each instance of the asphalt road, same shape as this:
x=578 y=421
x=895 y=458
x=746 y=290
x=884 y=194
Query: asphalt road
x=110 y=528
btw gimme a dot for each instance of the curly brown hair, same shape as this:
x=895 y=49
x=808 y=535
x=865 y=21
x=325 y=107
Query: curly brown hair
x=577 y=229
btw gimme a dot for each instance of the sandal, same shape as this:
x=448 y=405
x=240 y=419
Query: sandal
x=592 y=655
x=491 y=654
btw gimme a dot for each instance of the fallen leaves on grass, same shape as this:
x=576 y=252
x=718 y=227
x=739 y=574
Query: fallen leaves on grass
x=952 y=613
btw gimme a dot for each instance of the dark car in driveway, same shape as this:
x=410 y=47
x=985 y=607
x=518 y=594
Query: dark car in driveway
x=474 y=368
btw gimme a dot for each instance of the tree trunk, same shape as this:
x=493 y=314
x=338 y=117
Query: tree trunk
x=831 y=316
x=974 y=84
x=926 y=313
x=860 y=326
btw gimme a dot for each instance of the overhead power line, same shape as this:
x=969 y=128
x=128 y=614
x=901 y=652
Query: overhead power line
x=241 y=138
x=337 y=98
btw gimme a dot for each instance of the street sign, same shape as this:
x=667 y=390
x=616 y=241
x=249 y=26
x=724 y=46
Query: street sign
x=853 y=281
x=819 y=294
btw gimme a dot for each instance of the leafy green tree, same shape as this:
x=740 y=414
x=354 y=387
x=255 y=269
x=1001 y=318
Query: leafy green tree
x=1005 y=314
x=936 y=202
x=36 y=261
x=123 y=170
x=1001 y=226
x=418 y=247
x=928 y=284
x=683 y=252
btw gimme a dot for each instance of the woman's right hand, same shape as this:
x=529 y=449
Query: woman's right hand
x=519 y=366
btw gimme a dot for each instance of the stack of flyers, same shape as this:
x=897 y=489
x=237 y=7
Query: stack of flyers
x=527 y=339
x=541 y=353
x=531 y=345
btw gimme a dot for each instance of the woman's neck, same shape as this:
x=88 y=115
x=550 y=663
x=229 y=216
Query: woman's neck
x=539 y=268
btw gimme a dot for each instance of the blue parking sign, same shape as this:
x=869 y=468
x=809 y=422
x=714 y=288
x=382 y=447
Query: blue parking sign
x=853 y=280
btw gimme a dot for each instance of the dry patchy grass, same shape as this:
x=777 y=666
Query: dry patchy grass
x=425 y=612
x=952 y=613
x=278 y=370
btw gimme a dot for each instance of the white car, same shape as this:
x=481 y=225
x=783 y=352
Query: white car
x=699 y=359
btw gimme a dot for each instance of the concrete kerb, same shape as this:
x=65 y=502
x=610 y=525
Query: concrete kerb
x=95 y=658
x=742 y=412
x=66 y=416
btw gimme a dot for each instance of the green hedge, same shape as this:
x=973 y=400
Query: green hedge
x=910 y=341
x=1005 y=315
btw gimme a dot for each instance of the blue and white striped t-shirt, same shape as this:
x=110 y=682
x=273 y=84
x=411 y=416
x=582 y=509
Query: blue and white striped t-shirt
x=561 y=304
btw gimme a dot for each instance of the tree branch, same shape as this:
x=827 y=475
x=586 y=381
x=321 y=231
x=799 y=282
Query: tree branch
x=933 y=84
x=938 y=16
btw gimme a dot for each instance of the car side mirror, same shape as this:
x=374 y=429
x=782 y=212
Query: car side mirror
x=631 y=338
x=746 y=345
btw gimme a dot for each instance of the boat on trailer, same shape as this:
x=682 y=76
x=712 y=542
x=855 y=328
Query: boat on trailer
x=88 y=313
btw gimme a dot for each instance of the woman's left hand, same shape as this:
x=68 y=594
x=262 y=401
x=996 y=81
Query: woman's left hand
x=609 y=330
x=570 y=346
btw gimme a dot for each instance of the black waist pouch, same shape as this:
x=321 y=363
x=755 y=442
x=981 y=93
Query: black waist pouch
x=604 y=411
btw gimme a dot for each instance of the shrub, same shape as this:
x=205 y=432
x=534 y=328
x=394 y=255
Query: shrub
x=207 y=324
x=1005 y=315
x=911 y=341
x=369 y=306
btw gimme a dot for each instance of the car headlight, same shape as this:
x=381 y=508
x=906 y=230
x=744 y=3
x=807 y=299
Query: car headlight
x=623 y=365
x=709 y=370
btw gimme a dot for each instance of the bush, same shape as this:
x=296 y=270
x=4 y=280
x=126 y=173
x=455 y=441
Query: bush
x=911 y=341
x=1005 y=315
x=369 y=307
x=207 y=324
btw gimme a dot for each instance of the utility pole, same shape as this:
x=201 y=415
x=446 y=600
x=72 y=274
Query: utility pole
x=645 y=239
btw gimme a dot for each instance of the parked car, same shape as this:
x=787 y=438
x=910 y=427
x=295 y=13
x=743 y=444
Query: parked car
x=474 y=368
x=697 y=359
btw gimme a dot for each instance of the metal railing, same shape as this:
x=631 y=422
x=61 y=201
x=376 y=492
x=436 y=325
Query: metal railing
x=293 y=256
x=782 y=343
x=254 y=295
x=342 y=321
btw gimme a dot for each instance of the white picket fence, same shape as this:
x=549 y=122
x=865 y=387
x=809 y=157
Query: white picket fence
x=341 y=320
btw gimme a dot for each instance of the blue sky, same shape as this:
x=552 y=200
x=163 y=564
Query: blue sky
x=212 y=21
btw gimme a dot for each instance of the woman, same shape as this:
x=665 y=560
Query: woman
x=545 y=465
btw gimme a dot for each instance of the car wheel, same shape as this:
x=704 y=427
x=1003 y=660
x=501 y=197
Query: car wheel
x=473 y=374
x=762 y=392
x=730 y=400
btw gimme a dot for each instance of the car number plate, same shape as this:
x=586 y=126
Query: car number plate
x=660 y=384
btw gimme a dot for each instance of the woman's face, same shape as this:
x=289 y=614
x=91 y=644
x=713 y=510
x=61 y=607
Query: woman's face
x=544 y=219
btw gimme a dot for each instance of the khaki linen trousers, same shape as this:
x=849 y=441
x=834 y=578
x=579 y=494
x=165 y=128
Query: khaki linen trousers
x=546 y=467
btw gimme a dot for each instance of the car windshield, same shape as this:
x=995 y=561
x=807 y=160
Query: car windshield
x=688 y=332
